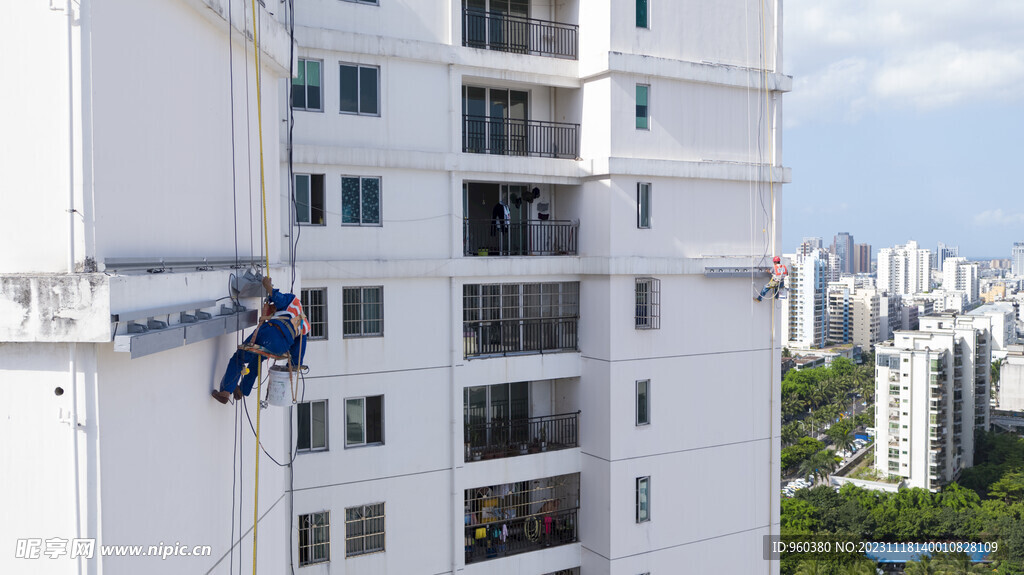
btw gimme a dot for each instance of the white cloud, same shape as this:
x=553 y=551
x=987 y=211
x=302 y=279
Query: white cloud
x=998 y=217
x=853 y=58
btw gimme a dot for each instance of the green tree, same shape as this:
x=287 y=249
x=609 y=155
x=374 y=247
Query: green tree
x=799 y=516
x=863 y=567
x=959 y=564
x=923 y=566
x=813 y=567
x=1009 y=488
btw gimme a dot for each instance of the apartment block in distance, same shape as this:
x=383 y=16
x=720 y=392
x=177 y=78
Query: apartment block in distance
x=932 y=393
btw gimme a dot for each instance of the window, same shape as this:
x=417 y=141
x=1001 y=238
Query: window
x=362 y=311
x=364 y=420
x=360 y=201
x=314 y=305
x=360 y=90
x=373 y=2
x=306 y=86
x=309 y=199
x=641 y=14
x=315 y=538
x=643 y=402
x=364 y=529
x=648 y=303
x=643 y=205
x=312 y=427
x=642 y=112
x=643 y=499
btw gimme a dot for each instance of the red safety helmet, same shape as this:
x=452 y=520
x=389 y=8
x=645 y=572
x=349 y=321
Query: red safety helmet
x=776 y=259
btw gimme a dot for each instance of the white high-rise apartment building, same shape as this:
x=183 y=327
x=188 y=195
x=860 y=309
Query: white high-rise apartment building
x=1017 y=259
x=932 y=393
x=958 y=274
x=904 y=269
x=854 y=314
x=803 y=312
x=508 y=220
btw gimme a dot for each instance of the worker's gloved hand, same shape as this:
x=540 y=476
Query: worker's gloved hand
x=268 y=285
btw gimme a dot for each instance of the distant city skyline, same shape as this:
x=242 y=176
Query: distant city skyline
x=903 y=124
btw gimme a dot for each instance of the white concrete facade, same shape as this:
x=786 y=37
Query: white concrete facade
x=803 y=312
x=958 y=274
x=144 y=451
x=904 y=269
x=932 y=389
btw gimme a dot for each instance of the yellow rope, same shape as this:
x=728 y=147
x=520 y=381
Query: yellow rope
x=266 y=260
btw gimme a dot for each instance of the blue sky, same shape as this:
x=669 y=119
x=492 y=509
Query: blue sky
x=906 y=121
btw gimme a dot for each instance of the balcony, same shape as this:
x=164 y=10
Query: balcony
x=520 y=336
x=525 y=238
x=517 y=137
x=499 y=439
x=504 y=520
x=505 y=32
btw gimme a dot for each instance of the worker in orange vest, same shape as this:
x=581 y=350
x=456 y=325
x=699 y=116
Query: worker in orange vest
x=778 y=281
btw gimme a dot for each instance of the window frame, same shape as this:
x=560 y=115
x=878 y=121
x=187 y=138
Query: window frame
x=364 y=536
x=650 y=317
x=364 y=442
x=647 y=14
x=647 y=107
x=311 y=207
x=380 y=202
x=366 y=2
x=299 y=431
x=305 y=74
x=643 y=485
x=309 y=309
x=359 y=85
x=307 y=531
x=643 y=203
x=646 y=401
x=345 y=322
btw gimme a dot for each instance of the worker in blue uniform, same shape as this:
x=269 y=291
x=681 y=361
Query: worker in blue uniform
x=778 y=281
x=281 y=333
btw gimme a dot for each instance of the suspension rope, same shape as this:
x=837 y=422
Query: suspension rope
x=266 y=261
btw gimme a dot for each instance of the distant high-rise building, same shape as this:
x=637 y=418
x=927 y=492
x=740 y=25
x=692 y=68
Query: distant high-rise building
x=904 y=269
x=932 y=394
x=942 y=252
x=815 y=243
x=803 y=312
x=854 y=315
x=1017 y=259
x=842 y=247
x=862 y=258
x=961 y=275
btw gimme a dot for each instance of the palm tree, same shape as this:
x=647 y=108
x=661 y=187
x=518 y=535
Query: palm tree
x=959 y=564
x=923 y=566
x=812 y=567
x=864 y=567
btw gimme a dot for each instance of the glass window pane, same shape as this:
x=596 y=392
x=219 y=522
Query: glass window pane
x=318 y=432
x=641 y=13
x=642 y=499
x=303 y=426
x=302 y=198
x=354 y=422
x=644 y=205
x=313 y=85
x=350 y=200
x=641 y=107
x=641 y=402
x=375 y=419
x=368 y=97
x=371 y=201
x=349 y=82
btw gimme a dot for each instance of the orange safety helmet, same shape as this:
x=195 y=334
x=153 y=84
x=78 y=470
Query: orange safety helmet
x=776 y=259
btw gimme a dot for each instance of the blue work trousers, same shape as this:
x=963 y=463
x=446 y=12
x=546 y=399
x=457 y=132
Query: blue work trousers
x=274 y=338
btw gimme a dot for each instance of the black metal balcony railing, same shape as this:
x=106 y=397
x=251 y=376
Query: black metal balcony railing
x=512 y=137
x=518 y=34
x=529 y=238
x=515 y=535
x=514 y=336
x=499 y=439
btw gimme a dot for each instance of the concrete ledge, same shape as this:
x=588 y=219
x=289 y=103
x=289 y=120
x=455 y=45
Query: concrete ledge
x=54 y=308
